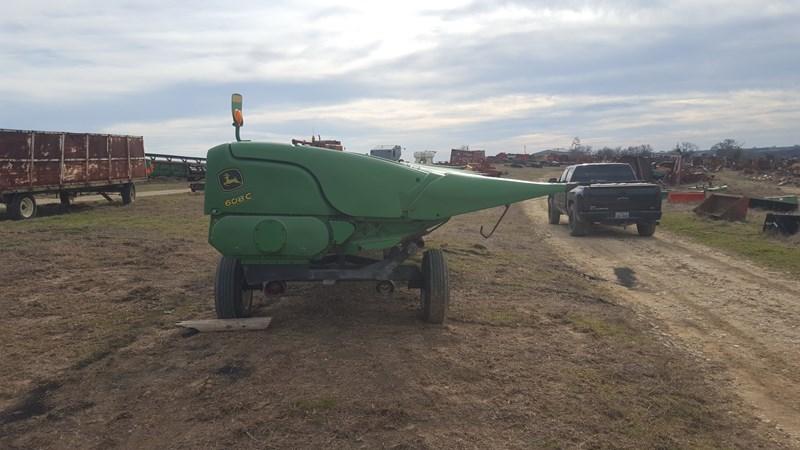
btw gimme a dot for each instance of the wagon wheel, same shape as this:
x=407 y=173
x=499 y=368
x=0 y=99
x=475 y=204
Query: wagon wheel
x=128 y=194
x=435 y=291
x=65 y=199
x=232 y=298
x=22 y=206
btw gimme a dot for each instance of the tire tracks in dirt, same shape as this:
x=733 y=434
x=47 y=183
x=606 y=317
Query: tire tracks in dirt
x=726 y=310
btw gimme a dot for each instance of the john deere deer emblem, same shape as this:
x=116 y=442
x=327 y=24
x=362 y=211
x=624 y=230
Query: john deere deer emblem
x=230 y=179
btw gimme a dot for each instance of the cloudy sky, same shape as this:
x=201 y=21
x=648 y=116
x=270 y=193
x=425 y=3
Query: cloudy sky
x=499 y=75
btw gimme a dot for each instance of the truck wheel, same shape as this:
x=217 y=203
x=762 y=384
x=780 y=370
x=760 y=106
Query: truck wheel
x=435 y=289
x=577 y=227
x=646 y=228
x=22 y=206
x=232 y=299
x=128 y=194
x=553 y=216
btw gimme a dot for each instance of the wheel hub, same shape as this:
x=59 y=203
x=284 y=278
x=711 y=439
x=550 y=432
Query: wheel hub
x=26 y=207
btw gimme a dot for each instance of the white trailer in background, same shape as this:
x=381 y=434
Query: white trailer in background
x=390 y=152
x=425 y=157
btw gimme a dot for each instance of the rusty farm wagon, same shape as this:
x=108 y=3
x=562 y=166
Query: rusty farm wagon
x=66 y=164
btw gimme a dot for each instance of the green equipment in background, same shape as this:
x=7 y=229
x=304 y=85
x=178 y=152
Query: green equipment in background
x=189 y=168
x=284 y=213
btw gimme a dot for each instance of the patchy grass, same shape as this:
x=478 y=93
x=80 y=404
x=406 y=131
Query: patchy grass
x=165 y=214
x=740 y=238
x=600 y=326
x=161 y=184
x=314 y=405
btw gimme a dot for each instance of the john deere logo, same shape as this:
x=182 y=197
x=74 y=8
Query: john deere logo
x=230 y=179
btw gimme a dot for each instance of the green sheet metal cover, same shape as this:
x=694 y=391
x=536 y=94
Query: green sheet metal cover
x=363 y=186
x=355 y=184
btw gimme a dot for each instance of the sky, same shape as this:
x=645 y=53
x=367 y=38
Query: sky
x=505 y=76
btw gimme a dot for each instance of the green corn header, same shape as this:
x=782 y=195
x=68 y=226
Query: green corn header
x=297 y=213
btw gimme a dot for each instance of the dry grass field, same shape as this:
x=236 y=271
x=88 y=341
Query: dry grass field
x=538 y=352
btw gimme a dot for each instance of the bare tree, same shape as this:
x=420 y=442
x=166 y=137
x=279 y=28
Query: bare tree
x=578 y=149
x=729 y=149
x=685 y=148
x=638 y=150
x=608 y=153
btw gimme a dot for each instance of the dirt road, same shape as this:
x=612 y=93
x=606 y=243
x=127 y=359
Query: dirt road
x=736 y=315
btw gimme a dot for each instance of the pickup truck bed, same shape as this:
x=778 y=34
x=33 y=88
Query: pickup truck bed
x=617 y=203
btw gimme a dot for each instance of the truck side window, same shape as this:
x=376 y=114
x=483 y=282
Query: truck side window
x=567 y=174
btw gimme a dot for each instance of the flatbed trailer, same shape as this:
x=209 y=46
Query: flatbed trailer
x=66 y=164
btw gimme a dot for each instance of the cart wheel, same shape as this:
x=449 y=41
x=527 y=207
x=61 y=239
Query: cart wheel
x=231 y=297
x=275 y=288
x=22 y=206
x=385 y=287
x=435 y=289
x=128 y=194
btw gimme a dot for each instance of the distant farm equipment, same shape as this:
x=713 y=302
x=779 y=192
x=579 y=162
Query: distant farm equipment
x=390 y=152
x=425 y=157
x=317 y=141
x=190 y=168
x=301 y=213
x=67 y=164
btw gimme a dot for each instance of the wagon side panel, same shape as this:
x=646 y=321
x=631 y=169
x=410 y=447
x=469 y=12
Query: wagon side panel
x=138 y=169
x=75 y=158
x=98 y=158
x=119 y=158
x=46 y=163
x=15 y=160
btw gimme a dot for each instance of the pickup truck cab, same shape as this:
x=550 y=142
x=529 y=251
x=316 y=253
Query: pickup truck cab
x=606 y=193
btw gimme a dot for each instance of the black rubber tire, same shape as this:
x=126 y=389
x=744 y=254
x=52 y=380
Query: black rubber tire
x=646 y=229
x=577 y=227
x=22 y=206
x=553 y=216
x=435 y=290
x=65 y=199
x=231 y=298
x=128 y=194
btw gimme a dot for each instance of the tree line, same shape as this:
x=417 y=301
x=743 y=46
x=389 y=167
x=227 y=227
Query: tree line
x=727 y=148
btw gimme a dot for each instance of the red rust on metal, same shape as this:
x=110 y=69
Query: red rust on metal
x=724 y=207
x=32 y=160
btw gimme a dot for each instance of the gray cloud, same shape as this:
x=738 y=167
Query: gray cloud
x=604 y=70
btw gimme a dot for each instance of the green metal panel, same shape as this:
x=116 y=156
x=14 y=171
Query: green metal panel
x=355 y=184
x=362 y=186
x=341 y=230
x=274 y=237
x=453 y=193
x=285 y=204
x=267 y=187
x=174 y=169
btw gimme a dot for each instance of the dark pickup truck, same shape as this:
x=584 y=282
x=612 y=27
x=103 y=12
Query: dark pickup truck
x=605 y=193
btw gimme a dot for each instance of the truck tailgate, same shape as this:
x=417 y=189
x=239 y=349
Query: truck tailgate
x=628 y=196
